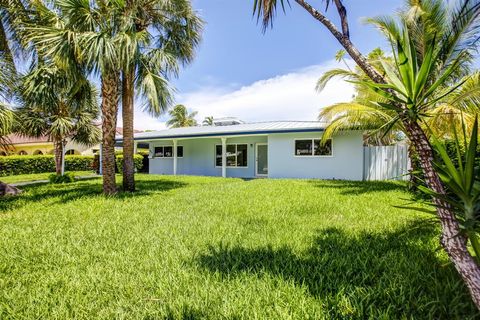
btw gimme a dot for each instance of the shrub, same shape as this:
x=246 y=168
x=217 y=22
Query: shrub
x=66 y=178
x=12 y=165
x=137 y=159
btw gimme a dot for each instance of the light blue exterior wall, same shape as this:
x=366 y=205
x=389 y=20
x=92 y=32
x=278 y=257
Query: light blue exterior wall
x=346 y=161
x=199 y=157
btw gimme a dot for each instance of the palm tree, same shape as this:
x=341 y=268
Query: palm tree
x=56 y=105
x=87 y=34
x=208 y=121
x=364 y=113
x=158 y=35
x=181 y=118
x=450 y=34
x=361 y=113
x=12 y=14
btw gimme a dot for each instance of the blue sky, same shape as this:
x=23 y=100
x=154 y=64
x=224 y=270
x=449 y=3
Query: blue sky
x=234 y=50
x=240 y=71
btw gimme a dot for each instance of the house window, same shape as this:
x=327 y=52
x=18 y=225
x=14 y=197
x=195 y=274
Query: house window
x=236 y=155
x=167 y=152
x=313 y=147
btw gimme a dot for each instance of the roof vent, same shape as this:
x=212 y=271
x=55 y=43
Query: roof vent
x=229 y=121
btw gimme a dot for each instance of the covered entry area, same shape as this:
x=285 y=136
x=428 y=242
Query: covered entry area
x=230 y=156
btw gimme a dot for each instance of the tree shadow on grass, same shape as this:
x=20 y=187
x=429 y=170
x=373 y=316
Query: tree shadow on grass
x=391 y=275
x=359 y=187
x=63 y=193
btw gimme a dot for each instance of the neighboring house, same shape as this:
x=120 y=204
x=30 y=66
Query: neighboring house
x=282 y=149
x=21 y=145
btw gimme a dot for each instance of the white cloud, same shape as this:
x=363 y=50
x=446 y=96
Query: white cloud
x=285 y=97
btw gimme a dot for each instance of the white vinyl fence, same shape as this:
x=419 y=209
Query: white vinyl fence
x=385 y=163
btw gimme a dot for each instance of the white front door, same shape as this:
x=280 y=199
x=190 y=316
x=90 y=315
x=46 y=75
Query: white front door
x=261 y=159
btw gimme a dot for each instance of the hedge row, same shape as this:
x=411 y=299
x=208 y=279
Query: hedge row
x=137 y=160
x=13 y=165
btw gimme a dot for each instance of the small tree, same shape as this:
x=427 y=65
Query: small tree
x=57 y=105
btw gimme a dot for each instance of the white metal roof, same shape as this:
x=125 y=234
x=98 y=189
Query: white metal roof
x=233 y=130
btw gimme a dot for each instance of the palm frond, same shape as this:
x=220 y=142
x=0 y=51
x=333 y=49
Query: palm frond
x=335 y=73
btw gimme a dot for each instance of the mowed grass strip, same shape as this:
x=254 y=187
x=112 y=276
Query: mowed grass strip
x=212 y=248
x=40 y=176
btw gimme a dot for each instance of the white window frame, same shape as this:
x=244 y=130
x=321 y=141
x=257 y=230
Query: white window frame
x=163 y=146
x=229 y=144
x=313 y=149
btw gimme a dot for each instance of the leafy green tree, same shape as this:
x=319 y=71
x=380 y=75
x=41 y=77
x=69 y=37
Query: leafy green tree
x=442 y=44
x=56 y=105
x=156 y=37
x=180 y=117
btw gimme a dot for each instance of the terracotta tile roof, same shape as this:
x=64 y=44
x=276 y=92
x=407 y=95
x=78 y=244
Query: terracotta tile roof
x=19 y=139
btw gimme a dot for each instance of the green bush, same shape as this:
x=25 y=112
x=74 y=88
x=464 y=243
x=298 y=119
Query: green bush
x=13 y=165
x=66 y=178
x=137 y=159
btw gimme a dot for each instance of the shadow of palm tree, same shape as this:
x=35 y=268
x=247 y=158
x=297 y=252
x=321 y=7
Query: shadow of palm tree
x=390 y=275
x=359 y=187
x=63 y=193
x=185 y=313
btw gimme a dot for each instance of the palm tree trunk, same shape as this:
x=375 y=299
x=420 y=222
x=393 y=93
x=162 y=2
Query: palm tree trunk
x=128 y=143
x=57 y=145
x=109 y=124
x=454 y=243
x=344 y=40
x=414 y=179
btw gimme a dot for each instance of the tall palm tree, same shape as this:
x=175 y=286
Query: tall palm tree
x=87 y=34
x=452 y=49
x=158 y=36
x=54 y=104
x=208 y=121
x=181 y=118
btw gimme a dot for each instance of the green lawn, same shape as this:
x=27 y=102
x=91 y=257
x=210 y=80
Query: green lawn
x=212 y=248
x=38 y=176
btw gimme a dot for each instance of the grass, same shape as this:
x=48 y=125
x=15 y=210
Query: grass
x=38 y=176
x=212 y=248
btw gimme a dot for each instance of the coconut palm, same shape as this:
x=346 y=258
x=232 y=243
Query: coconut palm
x=413 y=83
x=158 y=35
x=364 y=113
x=54 y=104
x=181 y=118
x=208 y=121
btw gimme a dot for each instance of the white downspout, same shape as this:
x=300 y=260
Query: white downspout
x=224 y=157
x=174 y=157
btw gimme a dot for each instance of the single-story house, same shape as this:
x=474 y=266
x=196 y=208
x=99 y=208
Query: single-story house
x=280 y=149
